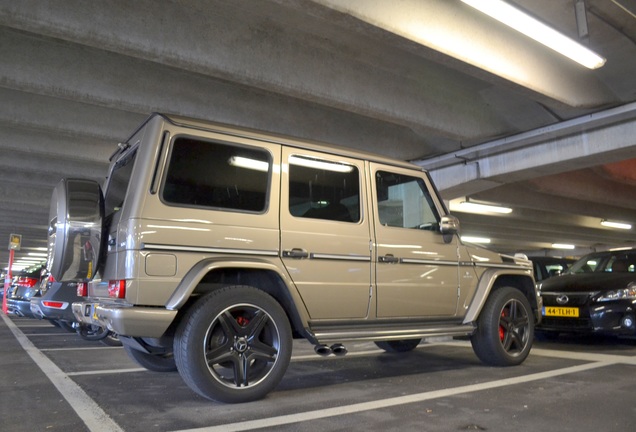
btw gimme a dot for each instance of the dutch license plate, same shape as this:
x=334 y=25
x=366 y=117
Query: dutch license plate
x=564 y=312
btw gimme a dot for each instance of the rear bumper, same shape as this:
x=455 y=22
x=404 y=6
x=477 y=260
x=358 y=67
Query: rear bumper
x=125 y=320
x=20 y=307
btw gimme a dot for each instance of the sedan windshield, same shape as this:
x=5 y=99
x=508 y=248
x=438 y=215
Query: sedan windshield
x=605 y=262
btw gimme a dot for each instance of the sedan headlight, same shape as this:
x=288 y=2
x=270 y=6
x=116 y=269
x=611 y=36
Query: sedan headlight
x=628 y=293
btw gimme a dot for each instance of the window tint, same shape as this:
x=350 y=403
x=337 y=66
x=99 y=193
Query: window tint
x=404 y=201
x=322 y=189
x=210 y=174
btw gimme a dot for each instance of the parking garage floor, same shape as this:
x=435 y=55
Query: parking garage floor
x=50 y=380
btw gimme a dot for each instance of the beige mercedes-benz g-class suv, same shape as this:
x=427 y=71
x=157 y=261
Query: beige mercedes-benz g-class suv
x=209 y=248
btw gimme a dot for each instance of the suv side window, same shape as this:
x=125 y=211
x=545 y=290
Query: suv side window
x=404 y=202
x=322 y=189
x=211 y=174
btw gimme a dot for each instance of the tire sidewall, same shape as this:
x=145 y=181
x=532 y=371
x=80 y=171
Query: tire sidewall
x=189 y=344
x=486 y=342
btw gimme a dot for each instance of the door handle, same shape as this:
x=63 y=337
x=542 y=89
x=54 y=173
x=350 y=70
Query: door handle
x=295 y=253
x=389 y=259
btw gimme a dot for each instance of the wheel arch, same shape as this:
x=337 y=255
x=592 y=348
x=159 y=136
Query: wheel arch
x=493 y=279
x=210 y=275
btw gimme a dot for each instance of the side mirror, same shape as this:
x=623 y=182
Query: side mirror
x=449 y=226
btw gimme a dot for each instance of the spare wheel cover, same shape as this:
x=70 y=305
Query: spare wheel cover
x=75 y=230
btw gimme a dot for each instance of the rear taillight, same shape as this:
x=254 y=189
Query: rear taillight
x=82 y=289
x=54 y=304
x=117 y=288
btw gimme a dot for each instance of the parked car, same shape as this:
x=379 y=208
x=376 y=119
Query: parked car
x=25 y=286
x=214 y=246
x=597 y=294
x=54 y=304
x=546 y=267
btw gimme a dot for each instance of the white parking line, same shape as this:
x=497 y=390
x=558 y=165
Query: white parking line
x=385 y=403
x=92 y=415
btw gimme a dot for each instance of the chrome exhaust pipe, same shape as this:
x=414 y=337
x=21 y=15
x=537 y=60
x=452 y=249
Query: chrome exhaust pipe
x=338 y=349
x=322 y=350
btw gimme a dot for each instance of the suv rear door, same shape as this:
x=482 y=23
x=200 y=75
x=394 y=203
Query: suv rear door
x=325 y=234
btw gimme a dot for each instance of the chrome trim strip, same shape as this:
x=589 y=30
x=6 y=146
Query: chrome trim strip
x=339 y=257
x=501 y=265
x=209 y=250
x=427 y=262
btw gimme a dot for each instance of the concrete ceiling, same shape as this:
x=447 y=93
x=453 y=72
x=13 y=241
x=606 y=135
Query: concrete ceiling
x=494 y=116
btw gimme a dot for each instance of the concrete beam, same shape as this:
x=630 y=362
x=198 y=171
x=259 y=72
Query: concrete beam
x=603 y=137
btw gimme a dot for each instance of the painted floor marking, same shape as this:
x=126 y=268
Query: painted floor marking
x=390 y=402
x=92 y=415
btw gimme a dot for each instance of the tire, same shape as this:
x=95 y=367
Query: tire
x=112 y=339
x=92 y=332
x=398 y=346
x=65 y=325
x=233 y=345
x=505 y=329
x=152 y=362
x=75 y=230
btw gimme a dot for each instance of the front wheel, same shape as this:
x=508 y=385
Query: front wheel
x=505 y=329
x=233 y=345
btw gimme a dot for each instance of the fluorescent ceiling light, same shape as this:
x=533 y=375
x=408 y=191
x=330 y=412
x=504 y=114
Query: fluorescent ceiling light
x=619 y=225
x=470 y=239
x=479 y=208
x=253 y=164
x=563 y=246
x=535 y=29
x=37 y=254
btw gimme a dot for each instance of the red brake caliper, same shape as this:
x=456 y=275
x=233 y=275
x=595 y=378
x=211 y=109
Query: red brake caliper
x=502 y=331
x=242 y=321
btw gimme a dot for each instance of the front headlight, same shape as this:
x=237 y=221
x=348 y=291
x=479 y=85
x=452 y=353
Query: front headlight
x=628 y=293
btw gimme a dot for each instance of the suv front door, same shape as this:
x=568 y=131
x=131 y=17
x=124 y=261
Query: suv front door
x=417 y=272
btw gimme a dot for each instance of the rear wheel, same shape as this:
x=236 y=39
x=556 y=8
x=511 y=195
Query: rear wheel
x=68 y=326
x=505 y=329
x=152 y=362
x=92 y=332
x=234 y=345
x=112 y=339
x=398 y=345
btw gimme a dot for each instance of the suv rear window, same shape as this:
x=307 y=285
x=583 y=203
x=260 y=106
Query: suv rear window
x=118 y=183
x=216 y=175
x=321 y=189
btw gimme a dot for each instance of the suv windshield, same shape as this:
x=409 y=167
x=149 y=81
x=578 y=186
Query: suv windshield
x=610 y=262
